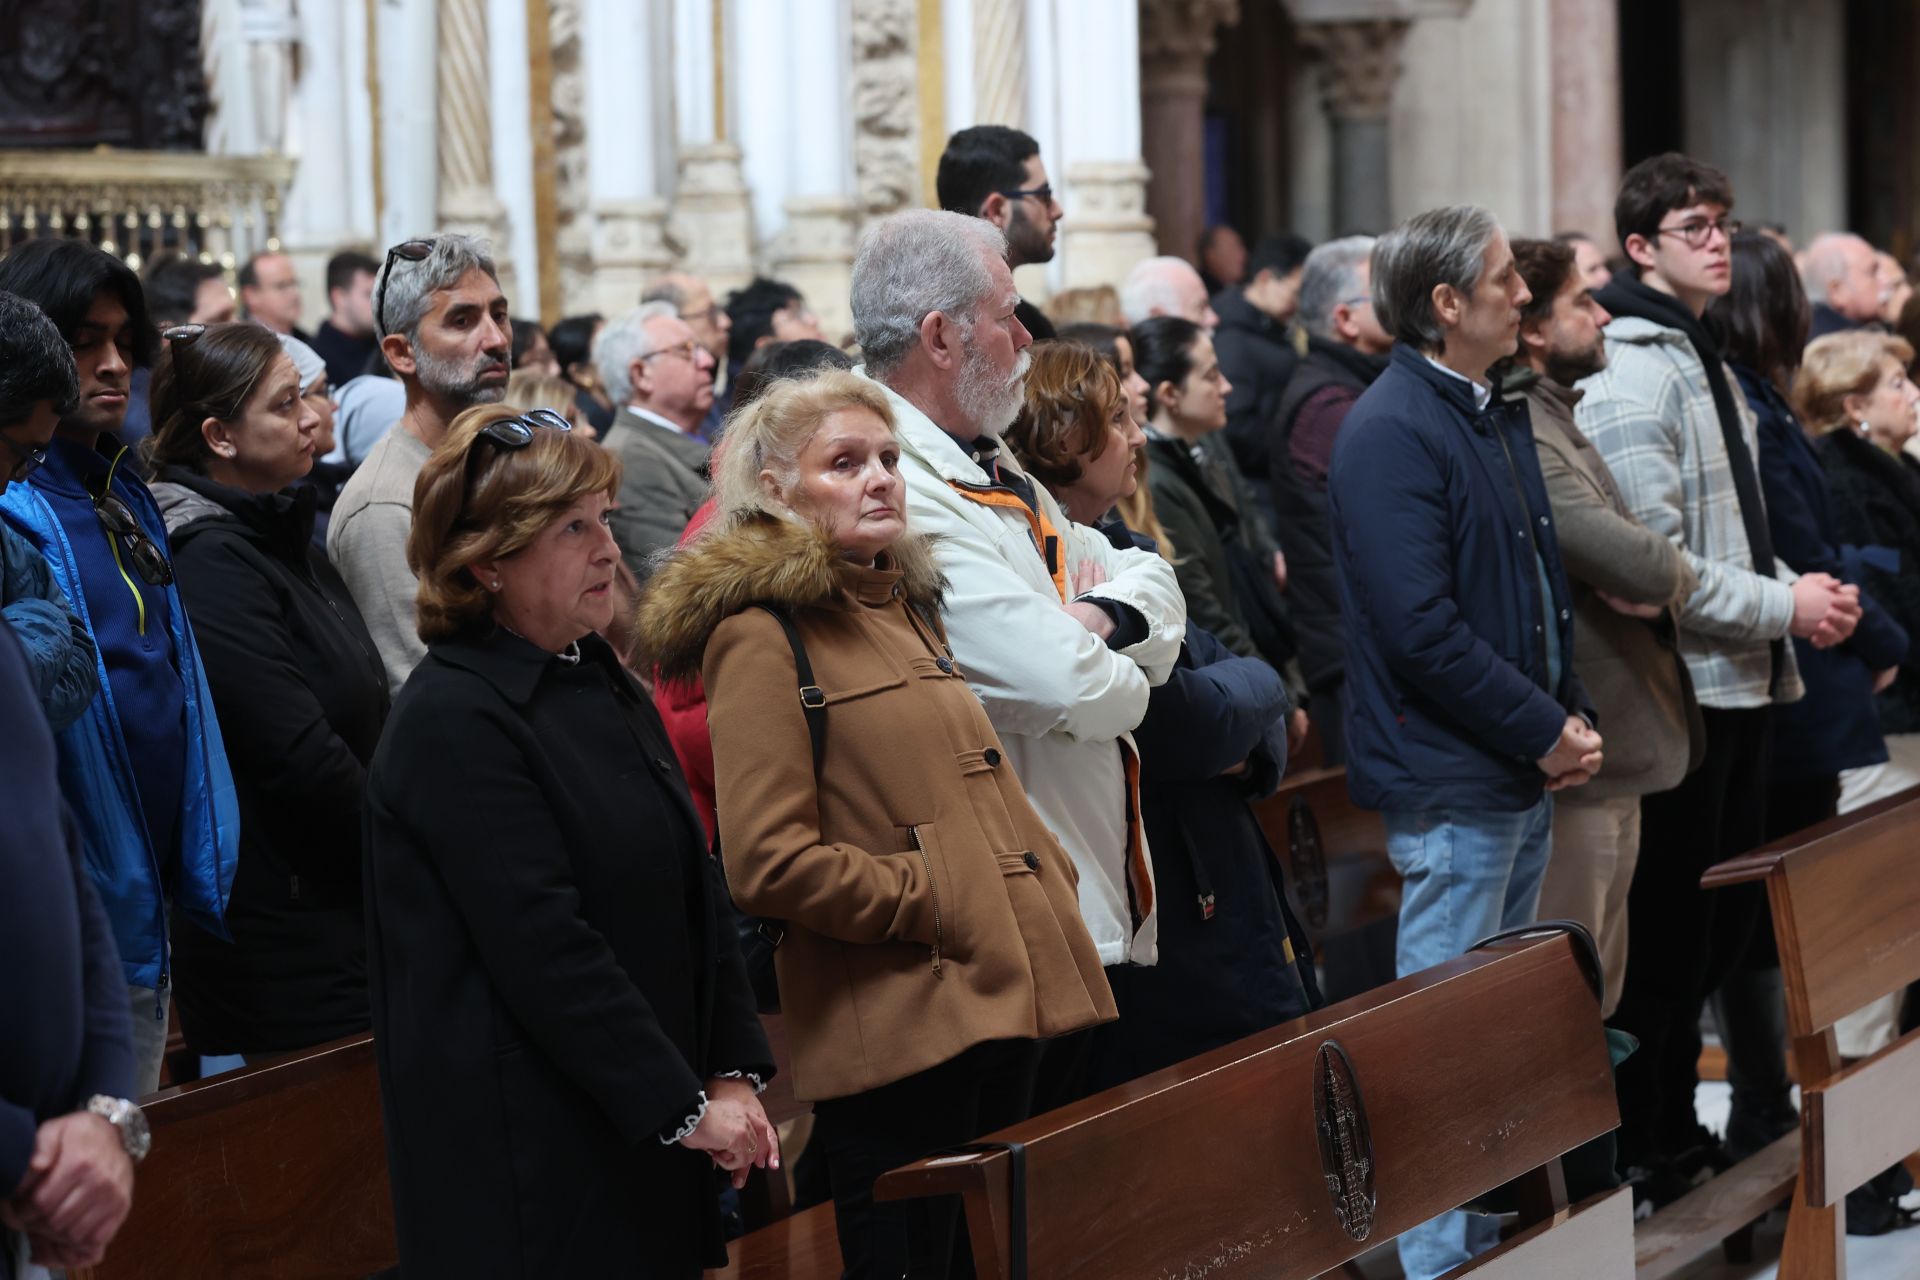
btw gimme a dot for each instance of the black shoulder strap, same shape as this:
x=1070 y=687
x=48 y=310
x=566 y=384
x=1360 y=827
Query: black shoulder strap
x=813 y=700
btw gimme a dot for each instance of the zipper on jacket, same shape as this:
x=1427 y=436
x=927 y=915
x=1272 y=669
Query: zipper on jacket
x=160 y=994
x=113 y=545
x=1539 y=561
x=933 y=887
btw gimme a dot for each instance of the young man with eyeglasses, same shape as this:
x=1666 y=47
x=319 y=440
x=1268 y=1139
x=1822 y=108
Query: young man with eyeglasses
x=996 y=173
x=662 y=378
x=143 y=767
x=445 y=332
x=1668 y=419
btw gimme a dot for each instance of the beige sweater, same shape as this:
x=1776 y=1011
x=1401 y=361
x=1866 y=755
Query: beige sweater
x=367 y=542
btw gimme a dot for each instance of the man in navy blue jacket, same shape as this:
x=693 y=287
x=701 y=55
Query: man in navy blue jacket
x=66 y=1177
x=1463 y=709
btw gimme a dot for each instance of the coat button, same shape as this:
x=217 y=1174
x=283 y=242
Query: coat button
x=1032 y=860
x=992 y=756
x=945 y=664
x=662 y=765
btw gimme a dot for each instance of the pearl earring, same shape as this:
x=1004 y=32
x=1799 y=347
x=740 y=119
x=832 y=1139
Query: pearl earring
x=1863 y=427
x=496 y=584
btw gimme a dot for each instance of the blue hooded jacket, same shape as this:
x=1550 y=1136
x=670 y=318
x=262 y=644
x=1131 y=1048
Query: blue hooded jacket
x=96 y=773
x=1442 y=531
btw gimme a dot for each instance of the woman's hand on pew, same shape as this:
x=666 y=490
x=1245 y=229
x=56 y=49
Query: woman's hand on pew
x=735 y=1131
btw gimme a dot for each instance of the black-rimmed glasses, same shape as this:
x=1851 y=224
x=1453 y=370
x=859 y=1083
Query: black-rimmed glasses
x=118 y=520
x=514 y=434
x=412 y=251
x=1043 y=193
x=1697 y=231
x=25 y=461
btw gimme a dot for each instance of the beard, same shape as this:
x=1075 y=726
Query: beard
x=457 y=382
x=1569 y=367
x=989 y=402
x=1026 y=243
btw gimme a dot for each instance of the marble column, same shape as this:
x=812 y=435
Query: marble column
x=1104 y=191
x=1000 y=62
x=319 y=217
x=1176 y=38
x=1358 y=63
x=467 y=200
x=1586 y=118
x=712 y=220
x=407 y=43
x=629 y=239
x=814 y=250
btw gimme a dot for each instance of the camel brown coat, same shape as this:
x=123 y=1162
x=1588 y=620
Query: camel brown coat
x=928 y=908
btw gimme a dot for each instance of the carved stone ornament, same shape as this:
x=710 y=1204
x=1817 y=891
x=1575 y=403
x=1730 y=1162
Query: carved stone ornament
x=83 y=73
x=1182 y=29
x=1346 y=1140
x=1358 y=64
x=573 y=238
x=886 y=113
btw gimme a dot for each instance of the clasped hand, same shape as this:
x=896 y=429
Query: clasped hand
x=1575 y=758
x=76 y=1193
x=735 y=1131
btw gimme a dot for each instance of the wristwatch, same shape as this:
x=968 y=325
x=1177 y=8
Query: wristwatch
x=128 y=1120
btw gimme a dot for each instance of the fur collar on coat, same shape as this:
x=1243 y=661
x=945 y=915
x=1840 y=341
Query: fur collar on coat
x=754 y=560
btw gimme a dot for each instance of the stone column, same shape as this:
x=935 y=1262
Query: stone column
x=1176 y=37
x=1586 y=118
x=1104 y=192
x=814 y=250
x=319 y=211
x=1358 y=63
x=712 y=222
x=467 y=200
x=1000 y=62
x=629 y=239
x=886 y=107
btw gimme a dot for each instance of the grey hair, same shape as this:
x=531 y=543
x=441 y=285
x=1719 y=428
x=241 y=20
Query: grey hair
x=624 y=341
x=1149 y=288
x=667 y=289
x=1329 y=277
x=914 y=264
x=410 y=295
x=1441 y=246
x=1824 y=264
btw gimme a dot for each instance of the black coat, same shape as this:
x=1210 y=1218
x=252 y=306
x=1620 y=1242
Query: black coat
x=1258 y=357
x=1873 y=498
x=554 y=974
x=301 y=696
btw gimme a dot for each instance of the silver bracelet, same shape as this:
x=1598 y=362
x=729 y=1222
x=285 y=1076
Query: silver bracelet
x=759 y=1085
x=691 y=1123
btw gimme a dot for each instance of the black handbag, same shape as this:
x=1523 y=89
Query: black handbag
x=761 y=936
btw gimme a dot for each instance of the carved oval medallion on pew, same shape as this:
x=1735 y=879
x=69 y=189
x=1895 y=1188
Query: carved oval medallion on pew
x=1307 y=858
x=1346 y=1141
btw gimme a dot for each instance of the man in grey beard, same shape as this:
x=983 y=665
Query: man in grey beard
x=1060 y=633
x=443 y=327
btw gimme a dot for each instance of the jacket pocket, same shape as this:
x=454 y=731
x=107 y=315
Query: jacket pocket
x=923 y=844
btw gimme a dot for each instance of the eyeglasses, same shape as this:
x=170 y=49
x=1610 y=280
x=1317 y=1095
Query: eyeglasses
x=25 y=461
x=688 y=350
x=1358 y=300
x=412 y=251
x=514 y=434
x=701 y=317
x=1043 y=193
x=119 y=522
x=1697 y=231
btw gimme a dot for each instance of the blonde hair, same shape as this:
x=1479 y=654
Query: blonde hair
x=1841 y=365
x=532 y=389
x=1137 y=511
x=467 y=509
x=770 y=433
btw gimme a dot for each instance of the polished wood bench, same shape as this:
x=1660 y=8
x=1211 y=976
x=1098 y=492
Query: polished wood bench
x=1292 y=1152
x=1846 y=918
x=1339 y=880
x=275 y=1172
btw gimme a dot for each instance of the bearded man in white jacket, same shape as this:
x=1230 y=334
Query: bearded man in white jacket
x=1060 y=634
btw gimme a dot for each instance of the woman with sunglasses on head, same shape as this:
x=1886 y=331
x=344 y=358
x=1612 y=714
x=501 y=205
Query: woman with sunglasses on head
x=566 y=1038
x=297 y=685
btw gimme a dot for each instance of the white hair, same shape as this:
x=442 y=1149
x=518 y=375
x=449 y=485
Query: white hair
x=624 y=341
x=1152 y=288
x=1824 y=264
x=1329 y=277
x=911 y=265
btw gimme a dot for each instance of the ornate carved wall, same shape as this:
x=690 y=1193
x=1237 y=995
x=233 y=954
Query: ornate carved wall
x=81 y=73
x=885 y=107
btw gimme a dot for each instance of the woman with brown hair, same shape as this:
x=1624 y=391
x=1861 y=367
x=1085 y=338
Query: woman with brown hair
x=1214 y=740
x=566 y=1039
x=296 y=684
x=933 y=934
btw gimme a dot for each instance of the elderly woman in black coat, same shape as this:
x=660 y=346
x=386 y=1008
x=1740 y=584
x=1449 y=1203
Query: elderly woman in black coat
x=297 y=684
x=1232 y=959
x=566 y=1038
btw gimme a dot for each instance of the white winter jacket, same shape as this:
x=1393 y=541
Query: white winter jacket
x=1062 y=702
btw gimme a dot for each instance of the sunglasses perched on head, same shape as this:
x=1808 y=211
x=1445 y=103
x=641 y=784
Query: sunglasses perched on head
x=412 y=251
x=513 y=434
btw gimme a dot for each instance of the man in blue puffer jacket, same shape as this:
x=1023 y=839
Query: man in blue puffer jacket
x=1463 y=708
x=143 y=768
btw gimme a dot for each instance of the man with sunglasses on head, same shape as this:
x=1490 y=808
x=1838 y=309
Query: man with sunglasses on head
x=143 y=768
x=1671 y=424
x=661 y=376
x=444 y=329
x=996 y=173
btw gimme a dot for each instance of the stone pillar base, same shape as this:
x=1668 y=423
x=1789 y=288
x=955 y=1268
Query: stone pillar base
x=712 y=220
x=1109 y=231
x=629 y=249
x=814 y=254
x=477 y=212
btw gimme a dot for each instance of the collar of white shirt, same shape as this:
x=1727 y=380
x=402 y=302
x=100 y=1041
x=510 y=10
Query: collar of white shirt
x=665 y=424
x=1481 y=391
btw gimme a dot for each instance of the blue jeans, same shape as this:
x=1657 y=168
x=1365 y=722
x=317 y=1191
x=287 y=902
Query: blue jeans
x=1466 y=873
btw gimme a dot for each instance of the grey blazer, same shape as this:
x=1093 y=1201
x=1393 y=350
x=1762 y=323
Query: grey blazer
x=663 y=484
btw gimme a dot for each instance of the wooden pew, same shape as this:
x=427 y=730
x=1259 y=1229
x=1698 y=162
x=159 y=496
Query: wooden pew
x=276 y=1172
x=1339 y=880
x=1846 y=917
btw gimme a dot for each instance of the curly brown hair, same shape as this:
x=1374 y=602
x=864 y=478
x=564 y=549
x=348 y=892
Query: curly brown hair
x=468 y=508
x=1072 y=392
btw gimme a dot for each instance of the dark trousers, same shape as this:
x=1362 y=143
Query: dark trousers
x=1329 y=716
x=1682 y=941
x=988 y=1087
